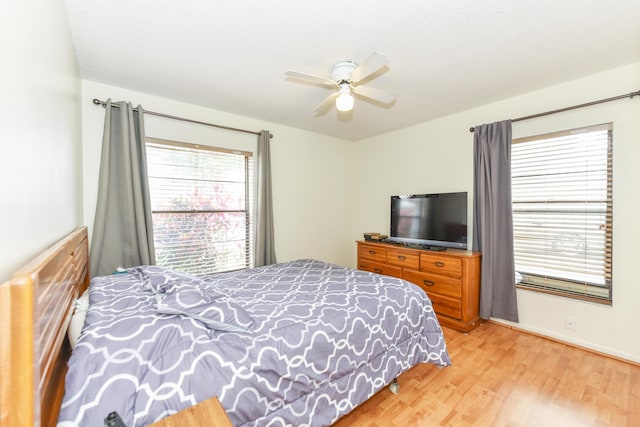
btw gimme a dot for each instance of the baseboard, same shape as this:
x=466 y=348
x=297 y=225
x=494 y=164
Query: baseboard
x=560 y=341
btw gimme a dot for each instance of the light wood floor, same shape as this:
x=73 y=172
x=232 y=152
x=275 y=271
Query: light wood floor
x=503 y=377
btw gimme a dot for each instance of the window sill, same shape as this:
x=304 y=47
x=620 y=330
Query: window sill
x=571 y=295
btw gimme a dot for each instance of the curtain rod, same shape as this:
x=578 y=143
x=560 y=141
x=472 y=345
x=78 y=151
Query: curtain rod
x=600 y=101
x=96 y=101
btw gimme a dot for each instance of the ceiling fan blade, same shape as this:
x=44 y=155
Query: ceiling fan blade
x=374 y=94
x=310 y=78
x=369 y=66
x=326 y=105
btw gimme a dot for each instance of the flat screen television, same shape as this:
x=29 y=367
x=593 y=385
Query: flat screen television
x=432 y=221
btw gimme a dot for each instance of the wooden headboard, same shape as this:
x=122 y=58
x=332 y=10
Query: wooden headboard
x=35 y=309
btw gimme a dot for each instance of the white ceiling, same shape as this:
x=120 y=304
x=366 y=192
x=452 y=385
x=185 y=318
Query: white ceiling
x=445 y=56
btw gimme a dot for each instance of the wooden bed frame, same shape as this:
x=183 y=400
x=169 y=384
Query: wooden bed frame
x=36 y=305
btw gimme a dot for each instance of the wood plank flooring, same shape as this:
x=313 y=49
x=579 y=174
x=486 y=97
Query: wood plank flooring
x=504 y=377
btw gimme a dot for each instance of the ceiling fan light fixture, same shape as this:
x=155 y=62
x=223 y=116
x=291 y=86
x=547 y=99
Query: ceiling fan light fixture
x=347 y=80
x=344 y=102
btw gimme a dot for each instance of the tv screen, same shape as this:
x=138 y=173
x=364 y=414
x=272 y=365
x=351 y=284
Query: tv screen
x=438 y=220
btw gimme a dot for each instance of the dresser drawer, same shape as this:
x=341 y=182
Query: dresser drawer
x=378 y=268
x=403 y=259
x=446 y=306
x=433 y=283
x=372 y=253
x=441 y=265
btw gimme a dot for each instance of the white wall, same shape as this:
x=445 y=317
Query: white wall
x=40 y=149
x=312 y=174
x=437 y=156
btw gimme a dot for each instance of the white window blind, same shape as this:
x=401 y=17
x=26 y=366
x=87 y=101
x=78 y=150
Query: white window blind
x=202 y=205
x=562 y=212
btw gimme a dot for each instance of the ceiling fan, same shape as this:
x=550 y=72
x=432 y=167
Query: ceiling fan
x=346 y=78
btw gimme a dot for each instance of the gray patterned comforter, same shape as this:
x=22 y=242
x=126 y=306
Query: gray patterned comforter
x=292 y=344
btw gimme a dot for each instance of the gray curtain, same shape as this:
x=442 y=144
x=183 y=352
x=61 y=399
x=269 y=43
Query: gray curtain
x=493 y=220
x=265 y=253
x=122 y=229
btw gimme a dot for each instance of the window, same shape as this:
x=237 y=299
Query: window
x=562 y=212
x=201 y=198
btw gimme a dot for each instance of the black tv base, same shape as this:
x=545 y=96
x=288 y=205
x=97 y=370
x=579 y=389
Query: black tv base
x=426 y=247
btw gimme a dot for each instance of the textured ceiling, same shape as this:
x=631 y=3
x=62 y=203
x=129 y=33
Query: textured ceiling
x=445 y=56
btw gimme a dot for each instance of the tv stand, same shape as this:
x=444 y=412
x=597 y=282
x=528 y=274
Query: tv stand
x=433 y=248
x=450 y=278
x=422 y=246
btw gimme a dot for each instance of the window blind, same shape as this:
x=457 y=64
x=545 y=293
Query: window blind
x=202 y=204
x=562 y=211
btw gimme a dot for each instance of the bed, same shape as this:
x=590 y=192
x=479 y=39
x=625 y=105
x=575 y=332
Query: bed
x=296 y=343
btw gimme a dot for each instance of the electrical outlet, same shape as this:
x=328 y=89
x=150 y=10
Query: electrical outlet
x=570 y=323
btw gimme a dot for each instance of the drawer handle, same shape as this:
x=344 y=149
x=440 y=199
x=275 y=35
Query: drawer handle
x=402 y=257
x=439 y=264
x=377 y=270
x=429 y=282
x=372 y=252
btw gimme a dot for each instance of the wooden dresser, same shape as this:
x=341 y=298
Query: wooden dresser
x=451 y=278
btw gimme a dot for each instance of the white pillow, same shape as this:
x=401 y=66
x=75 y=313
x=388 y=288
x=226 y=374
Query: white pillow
x=80 y=307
